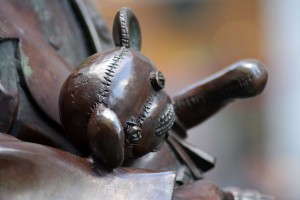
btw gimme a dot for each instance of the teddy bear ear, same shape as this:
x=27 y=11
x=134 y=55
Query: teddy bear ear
x=106 y=138
x=126 y=30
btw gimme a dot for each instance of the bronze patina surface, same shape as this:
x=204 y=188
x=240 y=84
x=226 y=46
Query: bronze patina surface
x=105 y=118
x=31 y=171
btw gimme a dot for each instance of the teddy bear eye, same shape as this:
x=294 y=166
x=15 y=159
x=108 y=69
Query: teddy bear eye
x=157 y=80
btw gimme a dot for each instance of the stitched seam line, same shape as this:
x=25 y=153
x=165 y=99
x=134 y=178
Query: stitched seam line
x=109 y=74
x=188 y=102
x=124 y=29
x=147 y=107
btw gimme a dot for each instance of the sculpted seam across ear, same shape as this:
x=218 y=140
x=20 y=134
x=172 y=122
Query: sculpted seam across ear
x=126 y=30
x=106 y=138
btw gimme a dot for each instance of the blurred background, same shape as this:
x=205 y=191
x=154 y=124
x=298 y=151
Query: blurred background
x=256 y=141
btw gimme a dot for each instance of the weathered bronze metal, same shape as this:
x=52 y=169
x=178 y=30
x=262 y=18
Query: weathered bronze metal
x=195 y=104
x=243 y=79
x=113 y=108
x=30 y=171
x=105 y=90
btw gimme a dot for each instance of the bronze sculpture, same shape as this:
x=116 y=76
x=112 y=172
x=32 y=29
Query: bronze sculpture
x=119 y=89
x=108 y=102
